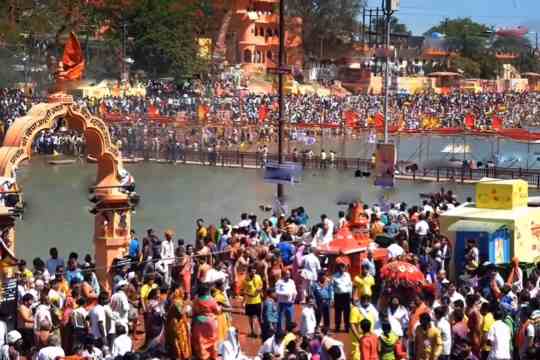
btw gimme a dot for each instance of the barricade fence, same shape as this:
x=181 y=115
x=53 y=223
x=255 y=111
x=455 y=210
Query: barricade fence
x=459 y=174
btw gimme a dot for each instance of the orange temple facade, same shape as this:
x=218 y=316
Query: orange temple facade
x=253 y=36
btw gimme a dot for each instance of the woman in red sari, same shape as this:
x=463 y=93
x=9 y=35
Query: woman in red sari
x=204 y=326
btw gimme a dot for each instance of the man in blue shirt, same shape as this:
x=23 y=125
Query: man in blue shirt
x=134 y=247
x=323 y=292
x=286 y=249
x=269 y=314
x=54 y=261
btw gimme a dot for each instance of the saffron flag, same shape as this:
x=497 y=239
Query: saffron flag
x=102 y=109
x=469 y=121
x=497 y=123
x=72 y=60
x=153 y=110
x=379 y=120
x=263 y=112
x=351 y=118
x=202 y=112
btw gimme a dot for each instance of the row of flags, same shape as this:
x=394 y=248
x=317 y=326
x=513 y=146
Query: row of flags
x=350 y=117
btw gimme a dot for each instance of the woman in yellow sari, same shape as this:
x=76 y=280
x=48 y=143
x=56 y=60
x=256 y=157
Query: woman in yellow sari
x=223 y=319
x=177 y=330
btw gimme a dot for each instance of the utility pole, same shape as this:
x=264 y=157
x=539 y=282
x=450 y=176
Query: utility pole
x=386 y=72
x=388 y=11
x=281 y=55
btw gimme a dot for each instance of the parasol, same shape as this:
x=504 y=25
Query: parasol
x=402 y=273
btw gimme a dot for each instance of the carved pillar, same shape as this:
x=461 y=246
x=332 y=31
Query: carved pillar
x=111 y=231
x=7 y=230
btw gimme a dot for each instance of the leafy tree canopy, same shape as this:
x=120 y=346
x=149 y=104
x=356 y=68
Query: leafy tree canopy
x=328 y=20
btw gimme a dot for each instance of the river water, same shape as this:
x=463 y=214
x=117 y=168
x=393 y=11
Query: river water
x=174 y=196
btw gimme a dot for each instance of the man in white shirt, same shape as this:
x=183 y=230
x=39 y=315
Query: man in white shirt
x=399 y=313
x=79 y=321
x=13 y=346
x=42 y=315
x=342 y=284
x=500 y=338
x=311 y=266
x=167 y=255
x=286 y=295
x=273 y=345
x=53 y=351
x=98 y=318
x=454 y=295
x=325 y=233
x=308 y=320
x=122 y=344
x=332 y=349
x=427 y=207
x=446 y=330
x=328 y=226
x=530 y=334
x=394 y=250
x=422 y=227
x=120 y=304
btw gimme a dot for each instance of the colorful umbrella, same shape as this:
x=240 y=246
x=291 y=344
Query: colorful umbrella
x=402 y=273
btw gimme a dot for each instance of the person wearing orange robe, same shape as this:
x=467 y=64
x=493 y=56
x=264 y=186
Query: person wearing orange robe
x=204 y=327
x=369 y=342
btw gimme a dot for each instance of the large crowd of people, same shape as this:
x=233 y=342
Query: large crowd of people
x=515 y=109
x=407 y=111
x=267 y=282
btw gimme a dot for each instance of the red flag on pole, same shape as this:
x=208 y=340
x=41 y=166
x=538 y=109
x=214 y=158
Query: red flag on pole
x=153 y=110
x=497 y=123
x=351 y=118
x=379 y=120
x=72 y=60
x=263 y=112
x=469 y=121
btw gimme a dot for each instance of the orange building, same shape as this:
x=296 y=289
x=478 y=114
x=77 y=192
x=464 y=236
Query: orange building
x=253 y=36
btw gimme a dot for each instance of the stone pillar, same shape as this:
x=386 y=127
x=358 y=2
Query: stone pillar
x=111 y=232
x=7 y=229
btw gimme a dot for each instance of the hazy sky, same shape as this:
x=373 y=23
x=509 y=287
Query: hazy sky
x=420 y=15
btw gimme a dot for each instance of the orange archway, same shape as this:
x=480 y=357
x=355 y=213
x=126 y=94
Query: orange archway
x=113 y=211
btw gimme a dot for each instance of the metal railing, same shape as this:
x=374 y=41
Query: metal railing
x=255 y=159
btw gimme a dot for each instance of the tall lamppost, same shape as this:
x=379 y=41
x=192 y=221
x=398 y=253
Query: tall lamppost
x=281 y=55
x=389 y=6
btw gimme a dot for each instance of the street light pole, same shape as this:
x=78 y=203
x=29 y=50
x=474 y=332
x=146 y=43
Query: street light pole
x=386 y=72
x=281 y=54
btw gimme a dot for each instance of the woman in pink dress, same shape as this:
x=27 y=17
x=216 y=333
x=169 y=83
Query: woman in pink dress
x=204 y=326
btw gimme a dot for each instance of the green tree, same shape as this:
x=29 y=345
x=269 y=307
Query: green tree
x=328 y=21
x=513 y=44
x=164 y=33
x=469 y=67
x=464 y=35
x=396 y=27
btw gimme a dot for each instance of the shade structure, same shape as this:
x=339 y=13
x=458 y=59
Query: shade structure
x=402 y=273
x=346 y=243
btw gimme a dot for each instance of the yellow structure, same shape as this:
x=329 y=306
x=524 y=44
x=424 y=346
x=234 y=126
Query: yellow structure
x=500 y=204
x=502 y=194
x=523 y=223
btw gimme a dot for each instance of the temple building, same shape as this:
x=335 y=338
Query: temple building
x=253 y=36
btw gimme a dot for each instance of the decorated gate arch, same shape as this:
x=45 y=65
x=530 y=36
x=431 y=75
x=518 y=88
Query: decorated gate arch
x=112 y=210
